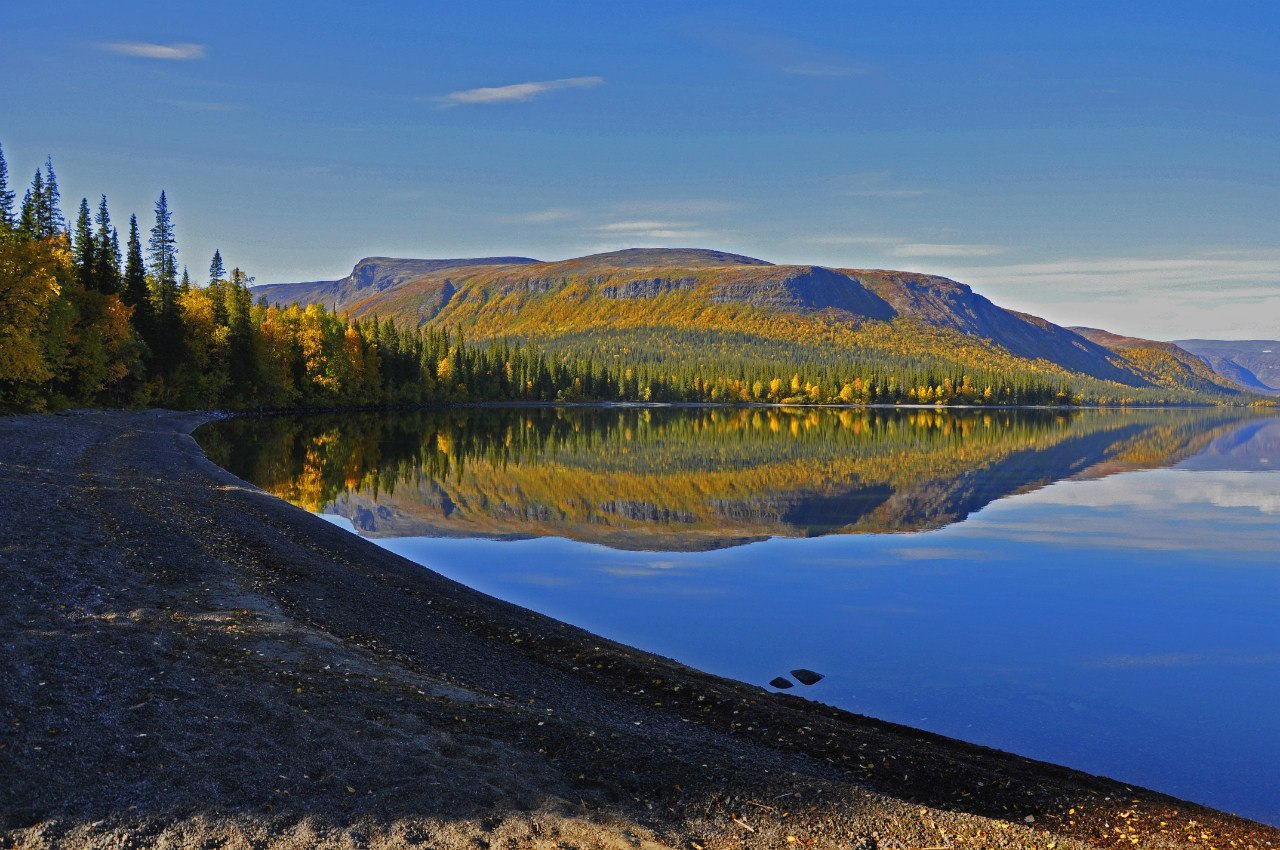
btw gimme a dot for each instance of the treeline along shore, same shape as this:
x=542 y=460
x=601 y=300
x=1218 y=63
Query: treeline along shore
x=88 y=317
x=191 y=662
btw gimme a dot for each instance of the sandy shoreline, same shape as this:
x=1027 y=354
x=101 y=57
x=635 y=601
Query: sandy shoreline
x=188 y=661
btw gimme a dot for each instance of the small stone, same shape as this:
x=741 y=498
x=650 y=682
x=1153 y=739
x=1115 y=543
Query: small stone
x=780 y=682
x=807 y=677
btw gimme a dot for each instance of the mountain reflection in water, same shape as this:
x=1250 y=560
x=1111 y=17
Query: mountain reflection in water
x=691 y=479
x=1116 y=615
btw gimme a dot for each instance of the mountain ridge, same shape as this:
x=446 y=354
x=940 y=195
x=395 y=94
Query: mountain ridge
x=369 y=273
x=1251 y=363
x=670 y=305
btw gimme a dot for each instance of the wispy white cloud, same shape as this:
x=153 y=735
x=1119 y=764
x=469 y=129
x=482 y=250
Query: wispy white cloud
x=1100 y=274
x=675 y=206
x=182 y=51
x=852 y=239
x=786 y=55
x=877 y=184
x=515 y=92
x=888 y=192
x=548 y=216
x=936 y=249
x=653 y=229
x=901 y=246
x=1211 y=294
x=632 y=226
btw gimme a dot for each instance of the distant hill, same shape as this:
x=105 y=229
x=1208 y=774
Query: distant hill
x=1251 y=363
x=1166 y=363
x=370 y=275
x=681 y=306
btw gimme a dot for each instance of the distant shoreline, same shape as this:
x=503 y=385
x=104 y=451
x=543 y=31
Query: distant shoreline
x=189 y=659
x=697 y=405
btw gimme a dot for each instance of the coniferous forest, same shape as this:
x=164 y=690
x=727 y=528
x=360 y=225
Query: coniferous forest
x=89 y=316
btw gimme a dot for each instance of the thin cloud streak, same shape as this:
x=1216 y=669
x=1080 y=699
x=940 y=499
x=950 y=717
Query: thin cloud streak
x=653 y=230
x=181 y=52
x=852 y=239
x=933 y=249
x=1124 y=274
x=516 y=92
x=549 y=216
x=785 y=55
x=887 y=193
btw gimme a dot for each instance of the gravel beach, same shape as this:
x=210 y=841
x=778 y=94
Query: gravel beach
x=187 y=661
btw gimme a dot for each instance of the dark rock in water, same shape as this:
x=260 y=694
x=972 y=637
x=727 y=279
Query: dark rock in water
x=780 y=682
x=806 y=677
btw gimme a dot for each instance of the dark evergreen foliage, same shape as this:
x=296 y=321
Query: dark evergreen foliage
x=216 y=271
x=84 y=248
x=106 y=251
x=7 y=221
x=52 y=222
x=30 y=220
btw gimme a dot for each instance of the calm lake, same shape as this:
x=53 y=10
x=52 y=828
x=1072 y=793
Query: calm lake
x=1099 y=589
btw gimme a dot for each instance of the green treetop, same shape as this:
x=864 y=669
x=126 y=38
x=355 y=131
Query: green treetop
x=106 y=254
x=84 y=247
x=7 y=221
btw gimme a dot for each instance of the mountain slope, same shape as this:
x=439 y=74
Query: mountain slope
x=694 y=306
x=372 y=274
x=1251 y=363
x=1165 y=362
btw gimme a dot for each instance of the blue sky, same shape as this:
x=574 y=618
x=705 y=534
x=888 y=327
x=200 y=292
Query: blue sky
x=1114 y=164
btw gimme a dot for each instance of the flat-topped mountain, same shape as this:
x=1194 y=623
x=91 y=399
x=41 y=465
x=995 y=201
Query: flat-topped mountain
x=688 y=305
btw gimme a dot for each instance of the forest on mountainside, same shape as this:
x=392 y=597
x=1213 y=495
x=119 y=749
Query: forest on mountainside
x=89 y=319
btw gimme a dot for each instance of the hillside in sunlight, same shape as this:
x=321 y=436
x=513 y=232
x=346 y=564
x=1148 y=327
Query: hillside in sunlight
x=671 y=307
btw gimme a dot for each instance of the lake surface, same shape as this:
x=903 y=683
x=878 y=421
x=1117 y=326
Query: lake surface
x=1099 y=589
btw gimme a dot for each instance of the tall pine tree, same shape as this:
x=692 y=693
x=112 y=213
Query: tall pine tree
x=162 y=247
x=106 y=252
x=162 y=258
x=84 y=248
x=52 y=221
x=241 y=360
x=7 y=221
x=216 y=269
x=32 y=215
x=134 y=288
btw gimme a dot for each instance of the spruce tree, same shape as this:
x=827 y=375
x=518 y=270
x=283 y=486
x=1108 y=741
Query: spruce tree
x=167 y=342
x=241 y=360
x=185 y=285
x=84 y=248
x=7 y=221
x=216 y=270
x=106 y=254
x=52 y=221
x=163 y=258
x=134 y=291
x=29 y=222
